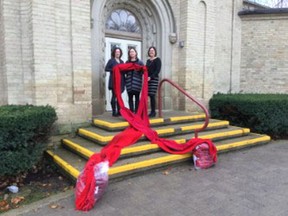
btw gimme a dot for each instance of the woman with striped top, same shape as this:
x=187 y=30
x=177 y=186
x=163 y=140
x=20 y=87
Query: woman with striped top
x=154 y=66
x=133 y=81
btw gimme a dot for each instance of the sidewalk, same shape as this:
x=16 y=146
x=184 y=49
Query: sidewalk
x=247 y=182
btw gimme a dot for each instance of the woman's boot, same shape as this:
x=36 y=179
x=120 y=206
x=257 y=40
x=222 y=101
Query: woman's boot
x=131 y=105
x=118 y=109
x=153 y=106
x=114 y=112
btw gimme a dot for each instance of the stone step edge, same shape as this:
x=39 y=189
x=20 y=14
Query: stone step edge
x=104 y=139
x=115 y=125
x=86 y=153
x=73 y=172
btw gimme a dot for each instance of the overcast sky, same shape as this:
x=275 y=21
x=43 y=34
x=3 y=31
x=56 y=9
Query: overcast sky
x=272 y=3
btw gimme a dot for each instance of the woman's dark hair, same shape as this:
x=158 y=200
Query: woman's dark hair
x=152 y=47
x=129 y=58
x=114 y=50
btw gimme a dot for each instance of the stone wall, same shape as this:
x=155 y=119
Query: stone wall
x=264 y=59
x=12 y=57
x=17 y=60
x=3 y=78
x=227 y=46
x=47 y=57
x=45 y=52
x=209 y=62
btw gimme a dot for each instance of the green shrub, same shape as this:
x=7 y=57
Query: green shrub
x=262 y=113
x=24 y=134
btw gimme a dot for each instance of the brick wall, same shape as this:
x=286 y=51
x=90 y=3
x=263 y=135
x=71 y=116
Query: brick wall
x=227 y=46
x=27 y=61
x=62 y=53
x=47 y=56
x=209 y=62
x=13 y=52
x=264 y=59
x=3 y=79
x=176 y=98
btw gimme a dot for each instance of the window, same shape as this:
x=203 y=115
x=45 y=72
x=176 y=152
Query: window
x=124 y=21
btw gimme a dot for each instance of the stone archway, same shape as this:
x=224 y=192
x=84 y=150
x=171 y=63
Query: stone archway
x=158 y=27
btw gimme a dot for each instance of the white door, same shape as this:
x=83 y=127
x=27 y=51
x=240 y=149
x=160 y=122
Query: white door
x=125 y=45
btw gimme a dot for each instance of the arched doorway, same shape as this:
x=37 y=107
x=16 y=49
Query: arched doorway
x=122 y=29
x=158 y=29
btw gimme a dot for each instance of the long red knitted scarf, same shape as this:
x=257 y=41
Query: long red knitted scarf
x=139 y=125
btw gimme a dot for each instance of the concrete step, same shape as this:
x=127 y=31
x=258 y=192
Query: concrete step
x=102 y=136
x=105 y=121
x=86 y=148
x=72 y=164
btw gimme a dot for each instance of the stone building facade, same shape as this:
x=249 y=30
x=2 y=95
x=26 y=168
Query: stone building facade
x=54 y=52
x=264 y=51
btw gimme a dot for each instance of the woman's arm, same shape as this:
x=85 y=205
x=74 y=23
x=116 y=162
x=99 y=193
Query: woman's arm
x=157 y=68
x=109 y=66
x=140 y=62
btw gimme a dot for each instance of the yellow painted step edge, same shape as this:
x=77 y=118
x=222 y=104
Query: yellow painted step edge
x=148 y=163
x=152 y=121
x=169 y=158
x=78 y=148
x=243 y=143
x=122 y=124
x=100 y=138
x=66 y=166
x=181 y=118
x=211 y=124
x=114 y=170
x=94 y=135
x=149 y=146
x=88 y=153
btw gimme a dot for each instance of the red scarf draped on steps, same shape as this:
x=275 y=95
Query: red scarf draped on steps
x=139 y=125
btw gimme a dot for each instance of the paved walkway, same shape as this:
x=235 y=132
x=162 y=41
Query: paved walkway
x=247 y=182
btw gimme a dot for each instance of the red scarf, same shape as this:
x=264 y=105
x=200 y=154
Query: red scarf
x=139 y=125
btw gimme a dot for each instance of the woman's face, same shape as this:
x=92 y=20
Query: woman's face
x=152 y=52
x=132 y=53
x=117 y=53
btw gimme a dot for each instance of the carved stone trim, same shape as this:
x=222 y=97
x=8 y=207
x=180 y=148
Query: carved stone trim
x=139 y=10
x=173 y=38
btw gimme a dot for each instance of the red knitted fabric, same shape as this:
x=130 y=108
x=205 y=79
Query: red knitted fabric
x=139 y=125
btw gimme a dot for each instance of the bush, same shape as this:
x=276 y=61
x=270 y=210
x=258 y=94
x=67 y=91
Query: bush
x=24 y=134
x=262 y=113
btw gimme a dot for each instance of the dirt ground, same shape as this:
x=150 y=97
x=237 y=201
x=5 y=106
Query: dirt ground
x=37 y=184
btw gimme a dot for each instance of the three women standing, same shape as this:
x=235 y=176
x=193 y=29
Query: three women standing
x=133 y=79
x=115 y=59
x=154 y=66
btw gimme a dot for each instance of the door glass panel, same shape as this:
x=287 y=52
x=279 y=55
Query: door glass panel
x=132 y=46
x=114 y=45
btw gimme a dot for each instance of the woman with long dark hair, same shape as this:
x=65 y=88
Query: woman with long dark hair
x=115 y=59
x=154 y=66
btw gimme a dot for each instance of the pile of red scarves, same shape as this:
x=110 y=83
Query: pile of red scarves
x=139 y=125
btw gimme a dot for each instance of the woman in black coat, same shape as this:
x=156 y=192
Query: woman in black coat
x=154 y=66
x=133 y=81
x=115 y=59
